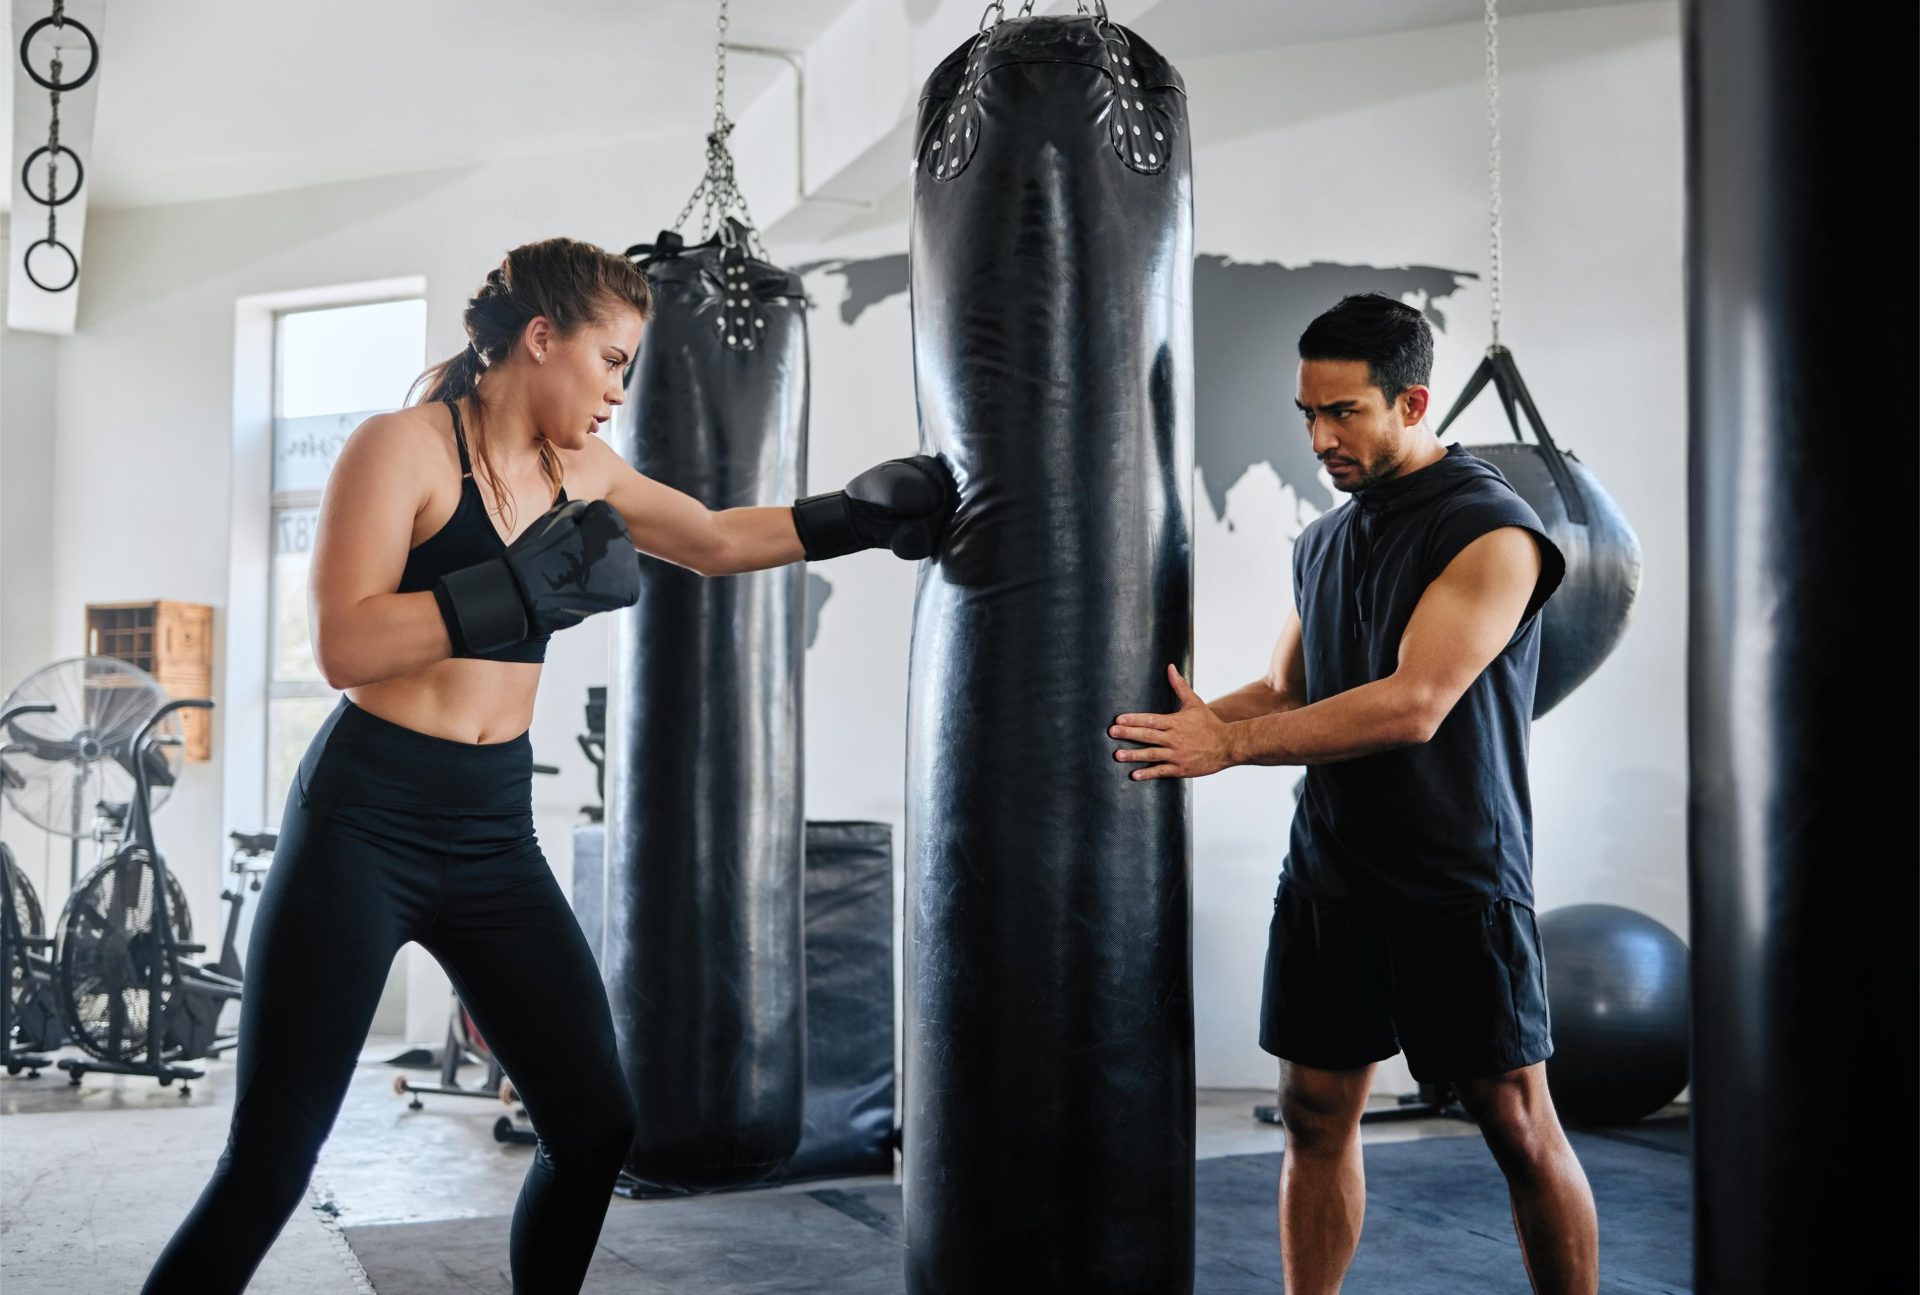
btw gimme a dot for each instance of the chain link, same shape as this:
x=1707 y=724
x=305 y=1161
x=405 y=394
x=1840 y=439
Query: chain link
x=53 y=137
x=718 y=187
x=1493 y=165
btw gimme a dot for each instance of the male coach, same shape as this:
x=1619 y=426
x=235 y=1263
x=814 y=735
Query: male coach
x=1403 y=679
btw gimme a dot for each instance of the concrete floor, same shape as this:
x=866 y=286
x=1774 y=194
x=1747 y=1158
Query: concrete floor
x=94 y=1179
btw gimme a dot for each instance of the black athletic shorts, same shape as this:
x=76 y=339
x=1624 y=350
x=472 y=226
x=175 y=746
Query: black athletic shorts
x=1465 y=995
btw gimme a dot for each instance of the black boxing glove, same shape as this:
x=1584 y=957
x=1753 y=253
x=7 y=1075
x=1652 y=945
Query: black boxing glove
x=576 y=560
x=902 y=505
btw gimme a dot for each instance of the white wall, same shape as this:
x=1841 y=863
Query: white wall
x=26 y=470
x=27 y=635
x=1366 y=152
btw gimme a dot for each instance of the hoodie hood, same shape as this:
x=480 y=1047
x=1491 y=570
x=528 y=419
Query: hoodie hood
x=1405 y=493
x=1440 y=478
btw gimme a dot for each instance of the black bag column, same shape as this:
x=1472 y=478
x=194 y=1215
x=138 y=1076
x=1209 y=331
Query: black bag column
x=1049 y=1028
x=704 y=963
x=1801 y=673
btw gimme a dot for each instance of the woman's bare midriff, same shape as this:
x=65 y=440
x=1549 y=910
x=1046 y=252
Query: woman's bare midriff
x=463 y=700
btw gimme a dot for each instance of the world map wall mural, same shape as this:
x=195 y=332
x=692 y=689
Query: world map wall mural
x=1247 y=318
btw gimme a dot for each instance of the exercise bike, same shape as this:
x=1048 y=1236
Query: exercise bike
x=29 y=1021
x=252 y=856
x=465 y=1047
x=130 y=998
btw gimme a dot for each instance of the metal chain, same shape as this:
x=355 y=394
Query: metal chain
x=52 y=199
x=53 y=136
x=718 y=186
x=720 y=68
x=1493 y=165
x=721 y=126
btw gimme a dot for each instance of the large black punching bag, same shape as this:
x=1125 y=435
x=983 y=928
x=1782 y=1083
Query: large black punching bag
x=1587 y=616
x=1801 y=691
x=705 y=841
x=1049 y=1029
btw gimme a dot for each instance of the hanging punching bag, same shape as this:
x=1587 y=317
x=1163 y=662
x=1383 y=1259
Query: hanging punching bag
x=1049 y=1029
x=1802 y=896
x=1586 y=617
x=704 y=834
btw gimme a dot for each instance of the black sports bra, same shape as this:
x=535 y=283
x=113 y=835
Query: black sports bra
x=468 y=538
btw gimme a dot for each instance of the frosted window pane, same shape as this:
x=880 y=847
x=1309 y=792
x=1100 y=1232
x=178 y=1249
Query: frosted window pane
x=305 y=449
x=293 y=530
x=350 y=357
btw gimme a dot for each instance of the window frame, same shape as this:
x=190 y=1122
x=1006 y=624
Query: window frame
x=279 y=502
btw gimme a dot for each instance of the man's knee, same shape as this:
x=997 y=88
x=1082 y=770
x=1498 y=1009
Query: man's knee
x=1516 y=1118
x=1321 y=1109
x=1520 y=1146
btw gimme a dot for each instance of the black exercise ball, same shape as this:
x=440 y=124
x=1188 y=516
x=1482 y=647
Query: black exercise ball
x=1617 y=992
x=1583 y=621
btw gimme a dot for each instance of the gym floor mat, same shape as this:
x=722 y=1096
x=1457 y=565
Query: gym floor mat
x=1438 y=1223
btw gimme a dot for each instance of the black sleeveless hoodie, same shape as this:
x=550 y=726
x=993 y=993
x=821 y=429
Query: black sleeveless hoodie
x=1445 y=826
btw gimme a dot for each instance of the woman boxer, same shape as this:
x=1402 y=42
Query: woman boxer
x=410 y=817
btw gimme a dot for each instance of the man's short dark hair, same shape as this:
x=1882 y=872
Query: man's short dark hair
x=1391 y=336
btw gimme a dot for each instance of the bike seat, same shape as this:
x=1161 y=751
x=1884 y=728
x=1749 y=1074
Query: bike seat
x=255 y=842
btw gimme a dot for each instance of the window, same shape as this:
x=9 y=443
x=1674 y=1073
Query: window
x=332 y=369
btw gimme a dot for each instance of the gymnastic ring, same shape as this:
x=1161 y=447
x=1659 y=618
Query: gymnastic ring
x=26 y=263
x=79 y=176
x=93 y=55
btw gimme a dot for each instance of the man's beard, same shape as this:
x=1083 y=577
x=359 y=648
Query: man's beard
x=1363 y=474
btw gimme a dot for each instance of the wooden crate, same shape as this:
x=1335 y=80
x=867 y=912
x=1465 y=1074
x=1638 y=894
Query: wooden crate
x=173 y=642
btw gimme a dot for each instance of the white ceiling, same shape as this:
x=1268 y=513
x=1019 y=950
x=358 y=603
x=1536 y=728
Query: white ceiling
x=211 y=98
x=205 y=99
x=1189 y=29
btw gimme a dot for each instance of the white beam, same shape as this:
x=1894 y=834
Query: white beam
x=29 y=307
x=862 y=84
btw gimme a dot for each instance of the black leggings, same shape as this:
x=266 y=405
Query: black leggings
x=391 y=835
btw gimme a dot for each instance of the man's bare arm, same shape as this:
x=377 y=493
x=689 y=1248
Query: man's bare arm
x=1462 y=622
